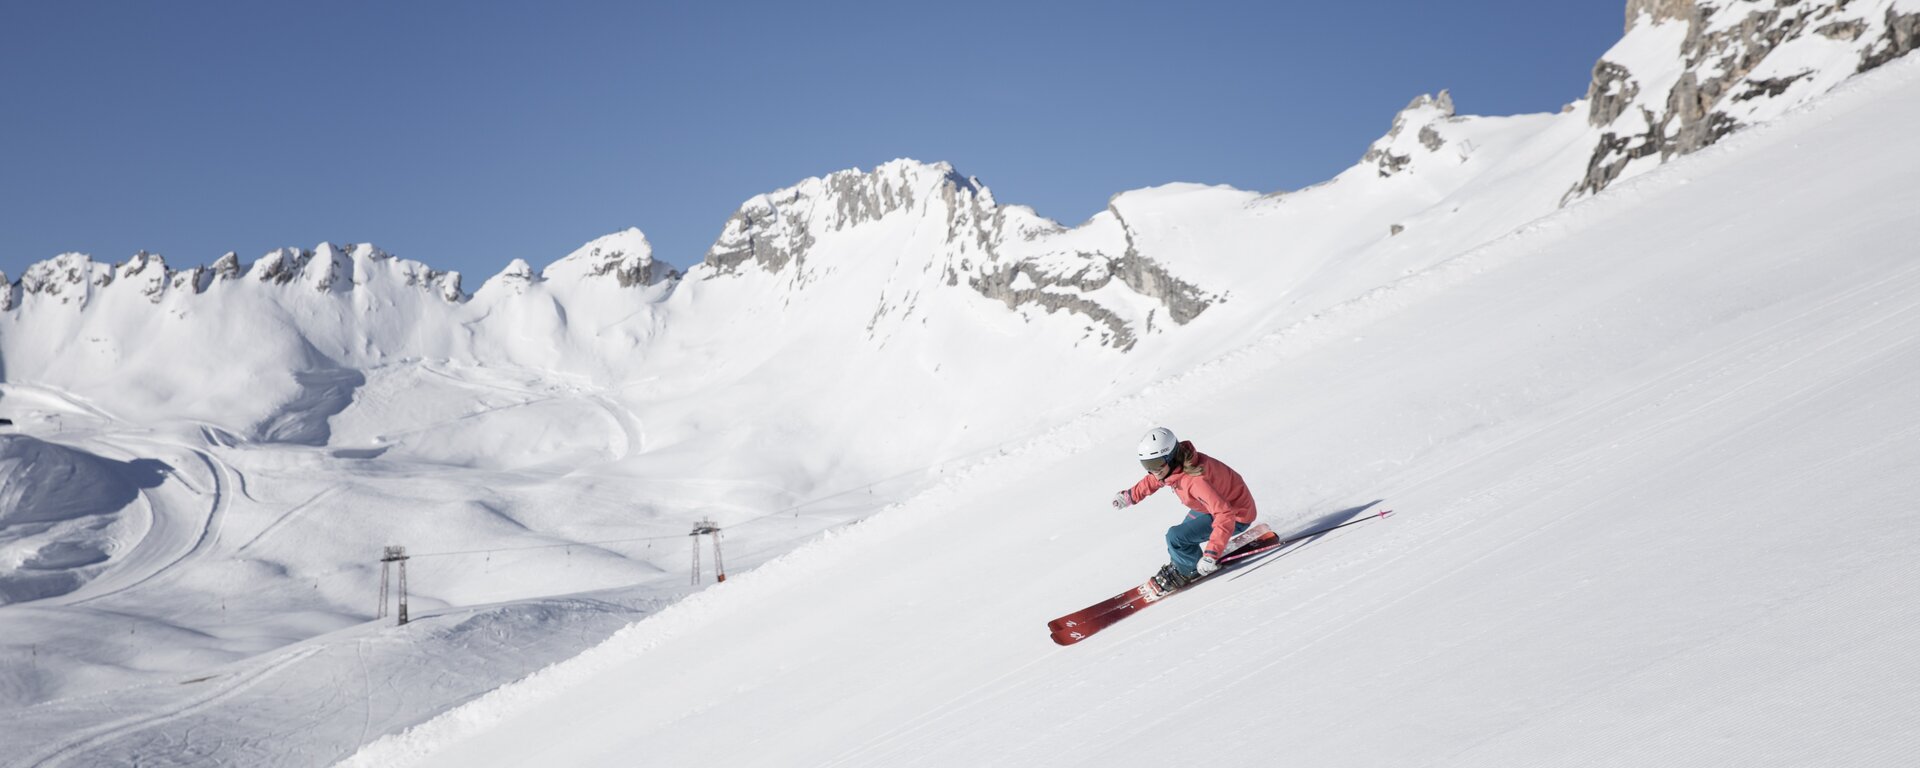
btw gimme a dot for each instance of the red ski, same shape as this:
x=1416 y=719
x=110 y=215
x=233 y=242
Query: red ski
x=1080 y=625
x=1239 y=541
x=1252 y=543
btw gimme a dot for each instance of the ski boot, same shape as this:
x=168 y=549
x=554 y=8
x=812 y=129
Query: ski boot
x=1170 y=578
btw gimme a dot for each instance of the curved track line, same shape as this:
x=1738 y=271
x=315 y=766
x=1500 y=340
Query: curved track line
x=62 y=754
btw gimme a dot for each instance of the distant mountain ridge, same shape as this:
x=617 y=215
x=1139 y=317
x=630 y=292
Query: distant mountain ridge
x=890 y=243
x=1005 y=253
x=1686 y=73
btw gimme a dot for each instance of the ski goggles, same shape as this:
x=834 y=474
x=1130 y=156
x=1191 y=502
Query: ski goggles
x=1155 y=465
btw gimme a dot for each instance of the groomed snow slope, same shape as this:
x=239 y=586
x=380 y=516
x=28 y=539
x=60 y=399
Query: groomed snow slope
x=1653 y=461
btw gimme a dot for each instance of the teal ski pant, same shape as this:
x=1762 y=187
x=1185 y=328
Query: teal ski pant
x=1184 y=541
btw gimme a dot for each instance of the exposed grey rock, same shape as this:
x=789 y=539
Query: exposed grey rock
x=137 y=264
x=758 y=233
x=1054 y=292
x=1382 y=153
x=1661 y=10
x=1612 y=155
x=1389 y=162
x=65 y=277
x=154 y=268
x=778 y=229
x=630 y=271
x=194 y=280
x=1898 y=40
x=1844 y=31
x=777 y=232
x=1612 y=89
x=1718 y=56
x=1183 y=300
x=337 y=271
x=281 y=266
x=449 y=283
x=228 y=267
x=1770 y=87
x=971 y=213
x=444 y=284
x=998 y=284
x=629 y=275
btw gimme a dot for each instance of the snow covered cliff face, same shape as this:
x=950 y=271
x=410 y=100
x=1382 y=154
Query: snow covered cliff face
x=1005 y=253
x=1689 y=72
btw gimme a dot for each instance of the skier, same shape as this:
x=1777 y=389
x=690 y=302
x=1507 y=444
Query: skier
x=1218 y=505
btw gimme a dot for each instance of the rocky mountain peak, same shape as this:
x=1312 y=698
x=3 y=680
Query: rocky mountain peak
x=1689 y=72
x=69 y=278
x=1414 y=132
x=1008 y=254
x=625 y=256
x=779 y=228
x=75 y=279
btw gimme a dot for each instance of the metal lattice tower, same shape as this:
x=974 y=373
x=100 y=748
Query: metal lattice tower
x=719 y=567
x=387 y=558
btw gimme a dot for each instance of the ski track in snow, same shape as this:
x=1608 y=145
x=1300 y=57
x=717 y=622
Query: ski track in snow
x=291 y=513
x=228 y=688
x=173 y=535
x=173 y=547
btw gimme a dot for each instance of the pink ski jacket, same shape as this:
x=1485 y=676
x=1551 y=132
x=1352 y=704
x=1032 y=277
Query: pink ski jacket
x=1205 y=485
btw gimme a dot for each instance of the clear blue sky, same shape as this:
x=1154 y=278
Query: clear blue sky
x=467 y=134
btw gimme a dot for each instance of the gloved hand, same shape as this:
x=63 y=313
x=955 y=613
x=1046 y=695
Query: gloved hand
x=1207 y=565
x=1122 y=500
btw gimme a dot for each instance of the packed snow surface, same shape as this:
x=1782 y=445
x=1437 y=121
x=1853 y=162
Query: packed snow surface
x=1653 y=458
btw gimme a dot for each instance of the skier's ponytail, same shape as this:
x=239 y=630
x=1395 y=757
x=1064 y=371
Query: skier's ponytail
x=1188 y=459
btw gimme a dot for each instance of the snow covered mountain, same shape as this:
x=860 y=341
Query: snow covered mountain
x=208 y=461
x=1689 y=72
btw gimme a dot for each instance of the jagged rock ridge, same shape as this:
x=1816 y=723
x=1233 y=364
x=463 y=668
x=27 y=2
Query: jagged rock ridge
x=1392 y=153
x=1005 y=253
x=1689 y=72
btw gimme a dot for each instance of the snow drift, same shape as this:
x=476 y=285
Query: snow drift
x=61 y=516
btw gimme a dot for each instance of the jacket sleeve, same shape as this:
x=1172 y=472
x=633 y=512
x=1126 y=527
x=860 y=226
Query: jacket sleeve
x=1144 y=488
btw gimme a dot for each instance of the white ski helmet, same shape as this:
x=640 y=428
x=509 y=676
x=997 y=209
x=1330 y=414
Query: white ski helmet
x=1157 y=445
